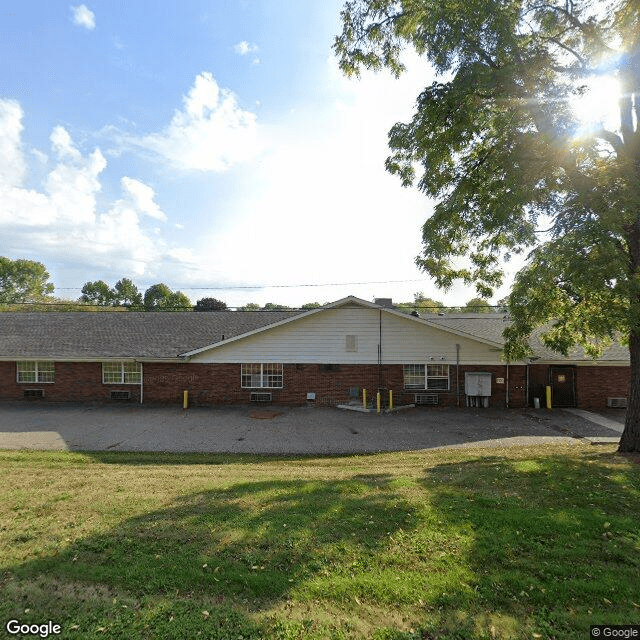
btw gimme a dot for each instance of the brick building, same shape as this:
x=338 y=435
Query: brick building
x=325 y=356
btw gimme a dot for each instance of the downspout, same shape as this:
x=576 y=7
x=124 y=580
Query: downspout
x=141 y=382
x=507 y=390
x=457 y=374
x=380 y=351
x=526 y=398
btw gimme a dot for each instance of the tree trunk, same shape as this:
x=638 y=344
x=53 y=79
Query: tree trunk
x=630 y=440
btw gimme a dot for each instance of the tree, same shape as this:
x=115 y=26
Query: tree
x=126 y=294
x=311 y=305
x=159 y=297
x=210 y=304
x=272 y=306
x=98 y=293
x=23 y=281
x=426 y=305
x=477 y=305
x=496 y=140
x=251 y=306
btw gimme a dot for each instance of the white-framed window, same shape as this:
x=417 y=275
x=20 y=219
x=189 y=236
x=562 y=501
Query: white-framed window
x=413 y=376
x=35 y=371
x=351 y=343
x=121 y=372
x=438 y=377
x=261 y=376
x=434 y=377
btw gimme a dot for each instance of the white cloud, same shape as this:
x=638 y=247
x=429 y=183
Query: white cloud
x=12 y=164
x=62 y=223
x=142 y=196
x=83 y=17
x=244 y=47
x=63 y=145
x=322 y=208
x=210 y=133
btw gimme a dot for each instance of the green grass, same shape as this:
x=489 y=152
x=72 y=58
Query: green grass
x=498 y=543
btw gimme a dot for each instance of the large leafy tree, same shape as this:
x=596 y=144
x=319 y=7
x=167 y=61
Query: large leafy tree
x=23 y=281
x=159 y=297
x=496 y=141
x=210 y=304
x=123 y=294
x=126 y=294
x=98 y=293
x=477 y=305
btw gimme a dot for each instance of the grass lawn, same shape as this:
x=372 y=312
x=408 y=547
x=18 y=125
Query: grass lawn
x=533 y=542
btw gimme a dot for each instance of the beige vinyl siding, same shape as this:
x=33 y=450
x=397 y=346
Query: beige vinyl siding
x=322 y=338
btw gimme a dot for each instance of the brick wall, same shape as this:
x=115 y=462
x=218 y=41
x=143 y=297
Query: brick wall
x=74 y=381
x=498 y=390
x=218 y=384
x=595 y=384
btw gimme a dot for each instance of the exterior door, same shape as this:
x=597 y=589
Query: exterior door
x=563 y=389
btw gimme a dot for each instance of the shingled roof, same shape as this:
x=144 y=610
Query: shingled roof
x=56 y=335
x=164 y=335
x=489 y=326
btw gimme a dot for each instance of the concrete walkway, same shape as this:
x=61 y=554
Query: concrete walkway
x=598 y=419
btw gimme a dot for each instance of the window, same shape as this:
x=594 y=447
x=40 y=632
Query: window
x=121 y=373
x=438 y=377
x=352 y=343
x=33 y=371
x=432 y=376
x=261 y=376
x=414 y=376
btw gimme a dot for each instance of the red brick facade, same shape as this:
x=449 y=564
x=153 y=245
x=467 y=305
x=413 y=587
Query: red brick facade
x=219 y=384
x=593 y=385
x=74 y=381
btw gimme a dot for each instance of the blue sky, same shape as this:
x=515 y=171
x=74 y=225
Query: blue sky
x=203 y=144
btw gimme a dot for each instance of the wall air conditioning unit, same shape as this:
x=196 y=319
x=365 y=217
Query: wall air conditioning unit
x=426 y=398
x=120 y=395
x=34 y=393
x=617 y=403
x=259 y=396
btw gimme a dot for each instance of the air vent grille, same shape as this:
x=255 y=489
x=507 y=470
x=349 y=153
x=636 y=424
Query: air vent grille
x=426 y=398
x=257 y=396
x=617 y=403
x=34 y=393
x=120 y=395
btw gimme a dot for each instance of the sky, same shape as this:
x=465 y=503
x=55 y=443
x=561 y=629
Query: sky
x=213 y=146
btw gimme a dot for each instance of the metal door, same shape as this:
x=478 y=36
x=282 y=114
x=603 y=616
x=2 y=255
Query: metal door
x=563 y=390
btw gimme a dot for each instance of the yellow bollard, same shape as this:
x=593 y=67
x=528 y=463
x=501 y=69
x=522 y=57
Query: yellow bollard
x=378 y=401
x=390 y=399
x=364 y=398
x=185 y=400
x=548 y=397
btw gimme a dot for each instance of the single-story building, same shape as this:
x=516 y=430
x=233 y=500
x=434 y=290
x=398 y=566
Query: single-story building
x=324 y=356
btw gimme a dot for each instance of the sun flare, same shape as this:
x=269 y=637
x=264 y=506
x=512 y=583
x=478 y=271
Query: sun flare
x=597 y=104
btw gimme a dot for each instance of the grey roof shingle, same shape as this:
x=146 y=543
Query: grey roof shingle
x=96 y=335
x=491 y=325
x=123 y=334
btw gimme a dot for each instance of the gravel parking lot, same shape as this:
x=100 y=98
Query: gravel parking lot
x=281 y=430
